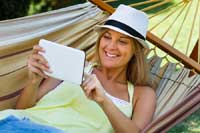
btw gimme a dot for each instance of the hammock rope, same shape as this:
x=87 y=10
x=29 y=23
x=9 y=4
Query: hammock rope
x=165 y=18
x=192 y=28
x=144 y=3
x=181 y=25
x=165 y=9
x=173 y=22
x=156 y=5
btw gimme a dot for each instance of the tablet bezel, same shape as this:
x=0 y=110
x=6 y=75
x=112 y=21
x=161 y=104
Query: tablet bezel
x=82 y=53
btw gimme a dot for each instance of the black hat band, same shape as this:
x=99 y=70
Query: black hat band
x=124 y=27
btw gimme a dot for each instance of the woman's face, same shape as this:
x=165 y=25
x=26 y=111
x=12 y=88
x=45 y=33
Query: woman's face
x=115 y=49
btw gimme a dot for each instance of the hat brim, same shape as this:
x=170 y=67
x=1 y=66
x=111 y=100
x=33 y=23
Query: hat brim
x=98 y=28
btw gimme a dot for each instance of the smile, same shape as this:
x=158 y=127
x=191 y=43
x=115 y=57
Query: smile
x=111 y=55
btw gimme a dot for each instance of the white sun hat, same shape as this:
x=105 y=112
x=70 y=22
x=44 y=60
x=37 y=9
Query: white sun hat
x=128 y=21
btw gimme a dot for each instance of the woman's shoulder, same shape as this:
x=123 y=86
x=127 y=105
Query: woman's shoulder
x=145 y=92
x=144 y=98
x=144 y=88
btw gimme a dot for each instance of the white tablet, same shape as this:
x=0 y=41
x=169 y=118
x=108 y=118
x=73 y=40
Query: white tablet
x=66 y=63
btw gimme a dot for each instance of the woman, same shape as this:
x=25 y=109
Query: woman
x=119 y=83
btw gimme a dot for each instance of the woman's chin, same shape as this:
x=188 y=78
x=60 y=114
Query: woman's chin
x=109 y=65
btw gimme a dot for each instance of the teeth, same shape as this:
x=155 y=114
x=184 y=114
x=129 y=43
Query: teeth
x=111 y=55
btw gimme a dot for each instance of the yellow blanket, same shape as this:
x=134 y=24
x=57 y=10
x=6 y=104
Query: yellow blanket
x=66 y=108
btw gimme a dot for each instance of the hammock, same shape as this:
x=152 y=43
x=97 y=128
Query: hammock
x=178 y=92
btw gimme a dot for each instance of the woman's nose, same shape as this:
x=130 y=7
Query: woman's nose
x=112 y=44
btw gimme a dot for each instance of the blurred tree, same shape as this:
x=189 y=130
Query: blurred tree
x=13 y=8
x=18 y=8
x=38 y=6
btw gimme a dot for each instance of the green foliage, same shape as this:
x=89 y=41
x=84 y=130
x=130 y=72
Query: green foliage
x=189 y=125
x=13 y=8
x=128 y=2
x=38 y=6
x=10 y=9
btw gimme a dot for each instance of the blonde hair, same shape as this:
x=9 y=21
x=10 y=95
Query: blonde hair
x=138 y=69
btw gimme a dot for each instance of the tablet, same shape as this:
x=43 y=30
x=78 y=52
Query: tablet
x=66 y=63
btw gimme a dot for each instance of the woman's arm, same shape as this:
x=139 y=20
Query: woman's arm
x=143 y=110
x=28 y=95
x=48 y=85
x=33 y=91
x=145 y=106
x=142 y=114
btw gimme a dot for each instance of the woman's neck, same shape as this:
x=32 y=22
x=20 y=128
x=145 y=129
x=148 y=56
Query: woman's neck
x=115 y=75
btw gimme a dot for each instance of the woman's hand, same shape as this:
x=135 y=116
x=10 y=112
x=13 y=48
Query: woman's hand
x=37 y=64
x=93 y=88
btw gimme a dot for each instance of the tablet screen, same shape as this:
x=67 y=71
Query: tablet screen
x=66 y=63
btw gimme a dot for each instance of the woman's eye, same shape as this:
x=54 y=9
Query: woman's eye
x=123 y=42
x=107 y=37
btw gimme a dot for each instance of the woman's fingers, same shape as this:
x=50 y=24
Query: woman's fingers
x=36 y=49
x=40 y=66
x=40 y=58
x=37 y=60
x=37 y=64
x=89 y=88
x=86 y=81
x=37 y=71
x=93 y=88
